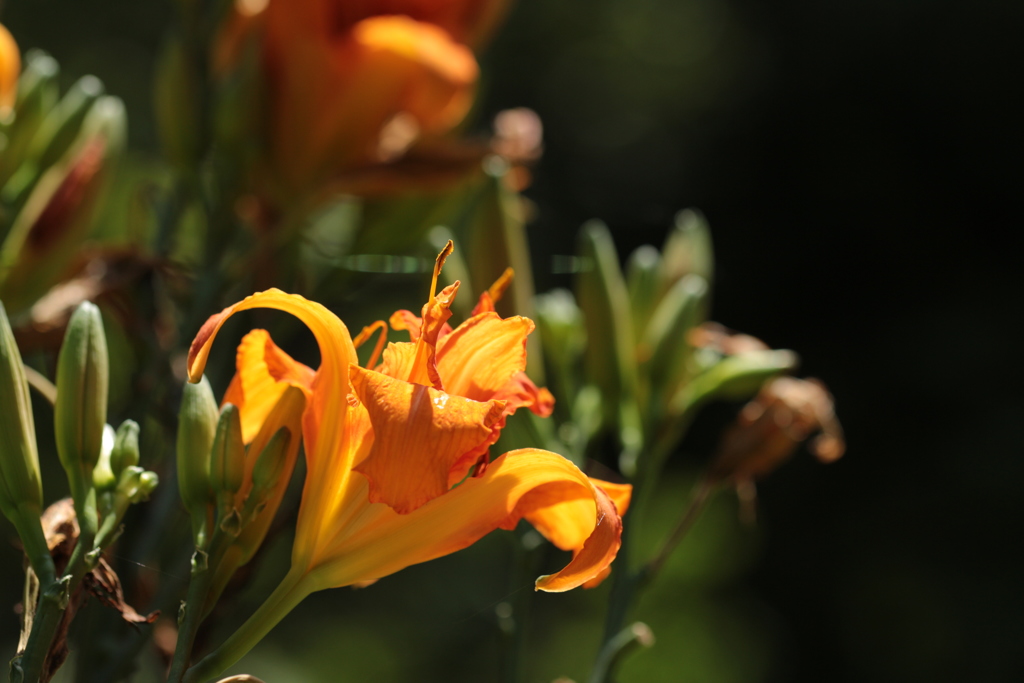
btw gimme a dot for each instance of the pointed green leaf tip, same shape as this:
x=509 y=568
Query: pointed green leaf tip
x=80 y=412
x=19 y=462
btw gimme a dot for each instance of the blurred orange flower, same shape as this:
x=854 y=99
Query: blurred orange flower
x=397 y=465
x=352 y=84
x=10 y=67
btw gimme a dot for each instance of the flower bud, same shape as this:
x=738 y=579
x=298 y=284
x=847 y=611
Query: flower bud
x=227 y=462
x=103 y=476
x=80 y=412
x=197 y=426
x=270 y=466
x=19 y=462
x=126 y=447
x=148 y=481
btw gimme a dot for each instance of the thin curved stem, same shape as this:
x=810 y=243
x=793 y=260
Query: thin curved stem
x=289 y=593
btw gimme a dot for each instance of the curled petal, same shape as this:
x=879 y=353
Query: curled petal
x=323 y=423
x=521 y=392
x=422 y=438
x=377 y=541
x=263 y=373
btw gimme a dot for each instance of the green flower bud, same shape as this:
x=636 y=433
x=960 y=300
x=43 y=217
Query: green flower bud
x=126 y=447
x=19 y=462
x=148 y=481
x=227 y=462
x=80 y=413
x=21 y=490
x=197 y=426
x=270 y=465
x=103 y=476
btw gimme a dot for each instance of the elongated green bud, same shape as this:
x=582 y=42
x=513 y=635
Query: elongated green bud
x=227 y=462
x=126 y=447
x=270 y=466
x=21 y=490
x=19 y=461
x=80 y=412
x=197 y=426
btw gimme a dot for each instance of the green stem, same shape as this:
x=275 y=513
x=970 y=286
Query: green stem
x=56 y=593
x=291 y=591
x=617 y=647
x=698 y=501
x=204 y=566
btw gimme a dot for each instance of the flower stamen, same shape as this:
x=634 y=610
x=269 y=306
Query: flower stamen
x=366 y=333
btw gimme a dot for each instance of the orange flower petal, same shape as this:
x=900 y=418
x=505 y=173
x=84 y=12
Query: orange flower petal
x=334 y=91
x=376 y=541
x=482 y=354
x=421 y=438
x=264 y=372
x=327 y=454
x=10 y=68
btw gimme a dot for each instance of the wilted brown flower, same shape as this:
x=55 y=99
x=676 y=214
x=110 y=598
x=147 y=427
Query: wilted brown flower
x=768 y=430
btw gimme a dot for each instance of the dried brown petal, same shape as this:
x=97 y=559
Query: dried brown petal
x=769 y=429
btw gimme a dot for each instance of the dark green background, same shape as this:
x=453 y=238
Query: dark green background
x=860 y=164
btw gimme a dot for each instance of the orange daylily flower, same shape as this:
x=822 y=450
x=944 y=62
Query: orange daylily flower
x=10 y=68
x=354 y=84
x=398 y=471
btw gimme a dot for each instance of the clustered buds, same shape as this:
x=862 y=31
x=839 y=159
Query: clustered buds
x=101 y=465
